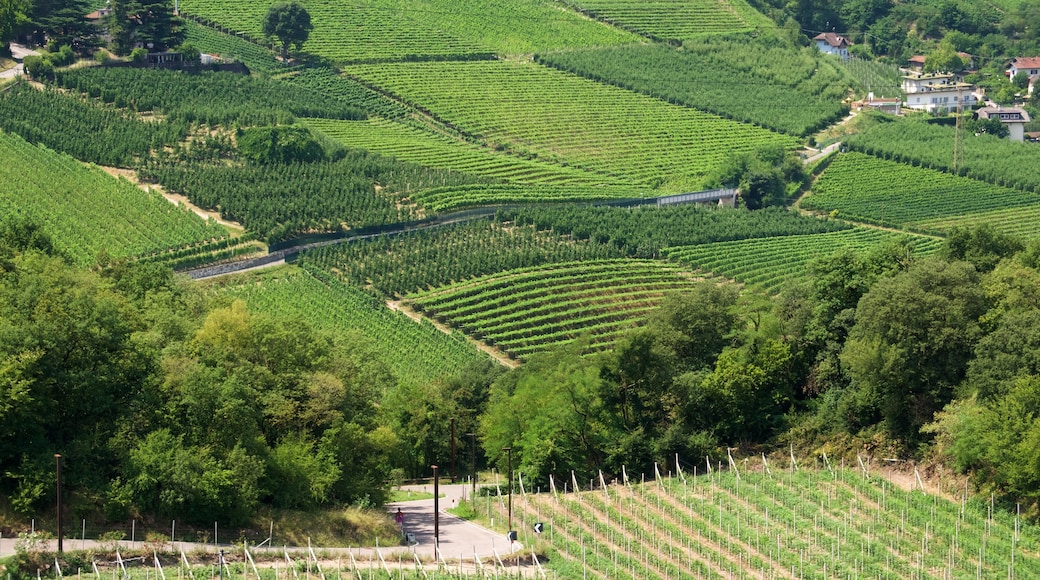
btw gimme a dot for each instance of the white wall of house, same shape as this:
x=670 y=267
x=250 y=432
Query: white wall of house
x=940 y=99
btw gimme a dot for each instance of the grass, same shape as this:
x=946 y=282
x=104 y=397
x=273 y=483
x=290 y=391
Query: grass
x=409 y=495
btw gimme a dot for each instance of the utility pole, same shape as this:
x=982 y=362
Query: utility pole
x=509 y=485
x=436 y=509
x=473 y=464
x=57 y=460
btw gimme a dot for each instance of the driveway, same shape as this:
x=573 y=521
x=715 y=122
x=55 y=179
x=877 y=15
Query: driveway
x=19 y=52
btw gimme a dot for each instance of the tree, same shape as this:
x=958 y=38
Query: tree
x=63 y=22
x=150 y=23
x=913 y=338
x=12 y=15
x=290 y=23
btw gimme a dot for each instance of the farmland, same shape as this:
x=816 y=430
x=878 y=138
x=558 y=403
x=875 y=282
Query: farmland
x=675 y=19
x=769 y=263
x=795 y=95
x=983 y=157
x=783 y=523
x=538 y=112
x=867 y=189
x=87 y=211
x=428 y=149
x=393 y=29
x=534 y=309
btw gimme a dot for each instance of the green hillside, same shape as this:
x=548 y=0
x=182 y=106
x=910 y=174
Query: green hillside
x=88 y=212
x=383 y=30
x=532 y=110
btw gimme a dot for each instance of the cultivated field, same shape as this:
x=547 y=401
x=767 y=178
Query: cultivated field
x=86 y=211
x=535 y=111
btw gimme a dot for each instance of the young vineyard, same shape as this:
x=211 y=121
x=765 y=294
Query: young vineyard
x=533 y=111
x=395 y=29
x=211 y=41
x=675 y=19
x=417 y=354
x=780 y=523
x=867 y=189
x=87 y=212
x=414 y=145
x=770 y=263
x=798 y=94
x=535 y=309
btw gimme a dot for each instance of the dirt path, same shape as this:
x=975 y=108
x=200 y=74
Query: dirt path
x=174 y=198
x=493 y=352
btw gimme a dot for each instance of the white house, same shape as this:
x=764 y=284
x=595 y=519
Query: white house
x=1014 y=117
x=937 y=92
x=1029 y=65
x=831 y=43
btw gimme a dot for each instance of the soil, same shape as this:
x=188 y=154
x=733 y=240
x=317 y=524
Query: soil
x=174 y=198
x=495 y=353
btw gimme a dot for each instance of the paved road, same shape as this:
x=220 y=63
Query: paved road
x=19 y=52
x=459 y=539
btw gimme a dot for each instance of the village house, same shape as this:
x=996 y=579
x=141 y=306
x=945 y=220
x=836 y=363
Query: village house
x=937 y=92
x=1014 y=117
x=1028 y=65
x=831 y=43
x=892 y=106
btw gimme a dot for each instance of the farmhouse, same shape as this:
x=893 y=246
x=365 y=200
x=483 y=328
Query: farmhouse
x=1029 y=65
x=892 y=106
x=916 y=63
x=937 y=92
x=831 y=43
x=1014 y=117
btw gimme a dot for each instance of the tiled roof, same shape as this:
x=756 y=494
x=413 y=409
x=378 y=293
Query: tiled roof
x=832 y=39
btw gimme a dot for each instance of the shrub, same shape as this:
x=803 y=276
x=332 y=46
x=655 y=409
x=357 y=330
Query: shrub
x=38 y=67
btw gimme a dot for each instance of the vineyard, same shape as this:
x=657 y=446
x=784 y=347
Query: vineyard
x=417 y=354
x=675 y=19
x=279 y=201
x=867 y=189
x=211 y=41
x=430 y=258
x=210 y=98
x=770 y=263
x=394 y=30
x=455 y=197
x=535 y=309
x=86 y=212
x=87 y=132
x=325 y=81
x=538 y=112
x=644 y=231
x=983 y=157
x=414 y=145
x=795 y=95
x=771 y=523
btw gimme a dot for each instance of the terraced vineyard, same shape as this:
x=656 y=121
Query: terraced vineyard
x=428 y=149
x=868 y=189
x=534 y=309
x=455 y=197
x=395 y=29
x=779 y=524
x=675 y=19
x=417 y=354
x=535 y=111
x=86 y=211
x=436 y=257
x=769 y=263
